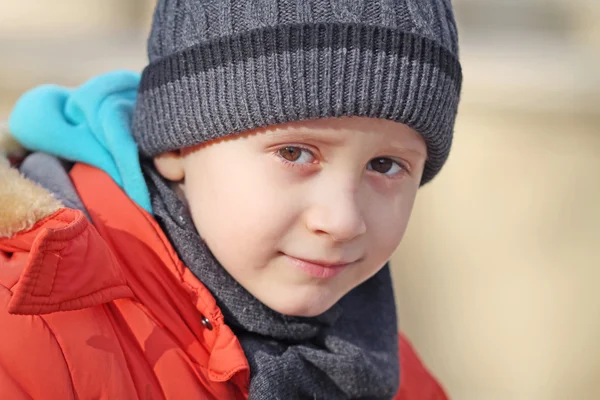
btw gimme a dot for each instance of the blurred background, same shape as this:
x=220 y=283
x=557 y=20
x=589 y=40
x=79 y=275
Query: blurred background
x=497 y=277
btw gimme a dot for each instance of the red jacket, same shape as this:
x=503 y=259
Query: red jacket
x=106 y=310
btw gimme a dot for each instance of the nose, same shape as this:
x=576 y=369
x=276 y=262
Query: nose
x=337 y=213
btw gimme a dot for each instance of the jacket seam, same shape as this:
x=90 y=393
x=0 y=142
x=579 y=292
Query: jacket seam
x=79 y=299
x=36 y=268
x=62 y=353
x=127 y=363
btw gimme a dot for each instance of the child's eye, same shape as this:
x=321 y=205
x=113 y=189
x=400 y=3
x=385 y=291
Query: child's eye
x=296 y=154
x=386 y=166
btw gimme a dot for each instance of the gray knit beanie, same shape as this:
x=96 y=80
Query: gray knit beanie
x=220 y=67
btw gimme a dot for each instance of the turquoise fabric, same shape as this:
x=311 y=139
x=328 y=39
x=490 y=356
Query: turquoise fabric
x=88 y=124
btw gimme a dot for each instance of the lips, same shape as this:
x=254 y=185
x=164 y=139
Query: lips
x=319 y=268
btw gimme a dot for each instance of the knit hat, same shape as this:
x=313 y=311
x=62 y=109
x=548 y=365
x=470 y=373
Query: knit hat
x=220 y=67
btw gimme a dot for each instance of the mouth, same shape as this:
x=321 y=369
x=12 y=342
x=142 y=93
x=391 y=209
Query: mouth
x=319 y=268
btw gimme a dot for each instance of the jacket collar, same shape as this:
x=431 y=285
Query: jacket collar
x=59 y=261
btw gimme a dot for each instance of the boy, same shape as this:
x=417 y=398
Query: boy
x=282 y=145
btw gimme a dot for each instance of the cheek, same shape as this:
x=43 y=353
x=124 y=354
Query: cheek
x=388 y=219
x=238 y=210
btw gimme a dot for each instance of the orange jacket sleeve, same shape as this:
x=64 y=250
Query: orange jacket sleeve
x=416 y=382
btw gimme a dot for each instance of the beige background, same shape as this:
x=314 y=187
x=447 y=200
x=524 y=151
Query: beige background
x=496 y=278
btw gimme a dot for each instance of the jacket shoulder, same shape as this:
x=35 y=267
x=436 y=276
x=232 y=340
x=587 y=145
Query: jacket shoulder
x=416 y=381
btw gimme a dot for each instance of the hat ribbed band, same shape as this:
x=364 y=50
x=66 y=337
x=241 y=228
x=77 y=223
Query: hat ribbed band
x=298 y=72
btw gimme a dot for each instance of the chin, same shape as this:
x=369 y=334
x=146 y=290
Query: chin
x=298 y=306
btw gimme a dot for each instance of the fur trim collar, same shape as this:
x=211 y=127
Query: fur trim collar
x=22 y=202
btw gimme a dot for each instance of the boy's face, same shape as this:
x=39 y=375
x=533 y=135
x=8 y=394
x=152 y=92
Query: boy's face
x=302 y=213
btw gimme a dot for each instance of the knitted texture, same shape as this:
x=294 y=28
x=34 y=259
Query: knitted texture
x=221 y=67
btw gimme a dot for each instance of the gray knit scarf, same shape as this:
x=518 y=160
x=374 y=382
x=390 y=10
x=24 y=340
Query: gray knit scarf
x=348 y=352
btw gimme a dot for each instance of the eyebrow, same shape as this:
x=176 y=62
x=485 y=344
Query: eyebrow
x=300 y=135
x=406 y=149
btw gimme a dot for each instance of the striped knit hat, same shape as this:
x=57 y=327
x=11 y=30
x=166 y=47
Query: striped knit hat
x=220 y=67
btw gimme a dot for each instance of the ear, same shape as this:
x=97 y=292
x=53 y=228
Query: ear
x=170 y=165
